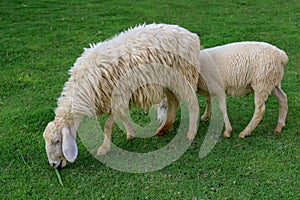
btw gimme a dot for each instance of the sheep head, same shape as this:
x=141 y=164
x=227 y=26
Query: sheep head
x=60 y=144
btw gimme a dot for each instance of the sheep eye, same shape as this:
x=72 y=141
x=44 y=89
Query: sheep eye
x=56 y=141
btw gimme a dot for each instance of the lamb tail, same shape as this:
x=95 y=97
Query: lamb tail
x=284 y=58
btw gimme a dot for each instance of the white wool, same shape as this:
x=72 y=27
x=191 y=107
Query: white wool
x=97 y=71
x=244 y=65
x=144 y=54
x=238 y=69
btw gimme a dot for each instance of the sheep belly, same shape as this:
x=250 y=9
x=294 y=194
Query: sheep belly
x=239 y=91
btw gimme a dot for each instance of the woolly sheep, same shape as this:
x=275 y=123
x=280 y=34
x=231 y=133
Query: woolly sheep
x=244 y=67
x=94 y=76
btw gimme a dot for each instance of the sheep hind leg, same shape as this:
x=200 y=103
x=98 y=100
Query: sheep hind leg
x=205 y=117
x=105 y=147
x=283 y=108
x=259 y=100
x=173 y=105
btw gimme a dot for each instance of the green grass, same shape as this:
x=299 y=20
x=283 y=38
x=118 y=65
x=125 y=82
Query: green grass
x=40 y=40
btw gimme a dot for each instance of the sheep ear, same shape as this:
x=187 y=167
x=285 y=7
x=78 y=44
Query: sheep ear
x=69 y=145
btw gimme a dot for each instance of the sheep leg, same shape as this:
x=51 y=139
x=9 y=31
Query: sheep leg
x=223 y=109
x=206 y=115
x=259 y=100
x=128 y=126
x=283 y=107
x=193 y=120
x=105 y=147
x=173 y=105
x=162 y=110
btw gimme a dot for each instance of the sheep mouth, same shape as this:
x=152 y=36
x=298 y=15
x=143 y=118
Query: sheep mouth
x=60 y=165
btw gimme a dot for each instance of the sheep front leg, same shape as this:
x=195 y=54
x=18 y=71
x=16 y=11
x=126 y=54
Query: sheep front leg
x=128 y=126
x=105 y=147
x=223 y=109
x=259 y=100
x=193 y=109
x=283 y=108
x=173 y=105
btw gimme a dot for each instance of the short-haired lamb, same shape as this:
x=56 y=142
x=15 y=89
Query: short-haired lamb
x=244 y=67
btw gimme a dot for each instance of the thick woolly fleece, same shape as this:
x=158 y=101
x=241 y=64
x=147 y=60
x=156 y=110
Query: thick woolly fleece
x=98 y=70
x=139 y=56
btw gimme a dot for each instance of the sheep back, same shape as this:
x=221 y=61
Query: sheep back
x=247 y=65
x=97 y=71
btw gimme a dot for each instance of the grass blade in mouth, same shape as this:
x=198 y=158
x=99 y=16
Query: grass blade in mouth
x=59 y=177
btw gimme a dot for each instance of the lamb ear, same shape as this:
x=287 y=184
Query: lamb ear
x=69 y=145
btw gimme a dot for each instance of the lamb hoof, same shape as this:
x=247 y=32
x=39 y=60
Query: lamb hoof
x=243 y=135
x=190 y=137
x=204 y=118
x=278 y=129
x=130 y=137
x=102 y=151
x=226 y=134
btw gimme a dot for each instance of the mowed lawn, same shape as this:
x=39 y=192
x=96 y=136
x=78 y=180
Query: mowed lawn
x=40 y=41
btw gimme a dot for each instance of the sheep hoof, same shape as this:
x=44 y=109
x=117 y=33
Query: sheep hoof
x=102 y=150
x=278 y=129
x=204 y=118
x=160 y=133
x=163 y=129
x=243 y=135
x=226 y=134
x=190 y=137
x=130 y=137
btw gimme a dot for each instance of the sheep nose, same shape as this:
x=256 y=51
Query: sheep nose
x=54 y=164
x=57 y=165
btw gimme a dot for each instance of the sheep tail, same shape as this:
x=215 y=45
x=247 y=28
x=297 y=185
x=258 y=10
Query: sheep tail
x=284 y=58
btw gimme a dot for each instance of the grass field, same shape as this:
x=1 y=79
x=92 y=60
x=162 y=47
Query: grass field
x=40 y=40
